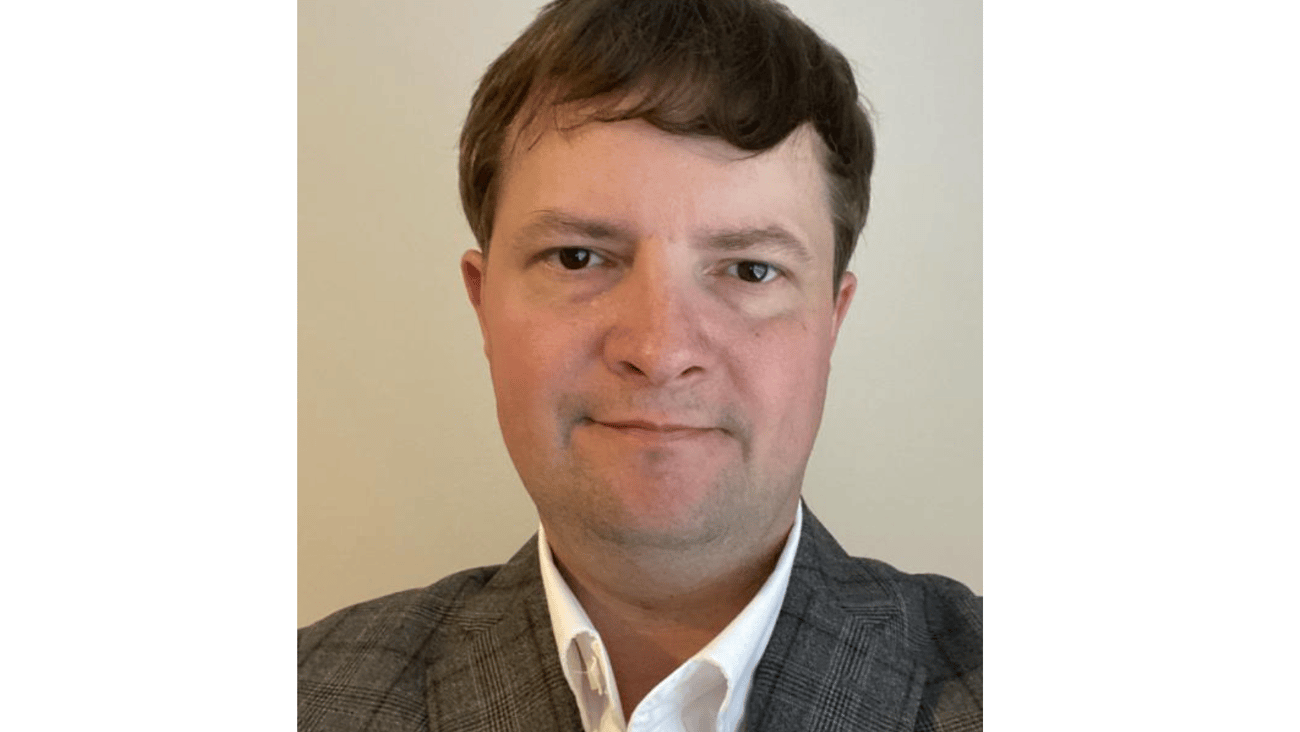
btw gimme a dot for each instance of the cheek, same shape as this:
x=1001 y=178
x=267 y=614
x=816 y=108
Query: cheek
x=531 y=358
x=786 y=371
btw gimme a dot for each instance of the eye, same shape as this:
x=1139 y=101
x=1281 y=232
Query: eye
x=754 y=271
x=576 y=257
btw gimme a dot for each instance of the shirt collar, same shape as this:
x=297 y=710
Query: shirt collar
x=724 y=667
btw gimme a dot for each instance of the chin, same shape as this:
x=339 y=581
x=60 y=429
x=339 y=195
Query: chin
x=668 y=512
x=657 y=535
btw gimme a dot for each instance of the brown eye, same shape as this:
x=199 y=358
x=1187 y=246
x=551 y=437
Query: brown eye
x=755 y=271
x=574 y=258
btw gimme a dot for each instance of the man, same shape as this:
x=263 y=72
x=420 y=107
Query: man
x=666 y=194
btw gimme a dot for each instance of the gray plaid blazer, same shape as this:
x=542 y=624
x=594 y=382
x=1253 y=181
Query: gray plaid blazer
x=858 y=646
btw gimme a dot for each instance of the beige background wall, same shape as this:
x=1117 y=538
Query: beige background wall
x=403 y=477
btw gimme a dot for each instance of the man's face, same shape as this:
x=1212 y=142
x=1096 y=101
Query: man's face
x=659 y=317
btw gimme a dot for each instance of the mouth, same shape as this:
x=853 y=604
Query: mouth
x=637 y=424
x=651 y=430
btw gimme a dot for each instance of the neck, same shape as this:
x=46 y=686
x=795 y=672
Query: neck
x=655 y=612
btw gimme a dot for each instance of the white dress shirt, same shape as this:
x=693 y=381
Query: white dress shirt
x=707 y=693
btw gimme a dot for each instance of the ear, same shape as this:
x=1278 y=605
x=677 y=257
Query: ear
x=848 y=286
x=473 y=269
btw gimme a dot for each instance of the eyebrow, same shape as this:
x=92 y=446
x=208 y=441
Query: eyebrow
x=553 y=223
x=771 y=238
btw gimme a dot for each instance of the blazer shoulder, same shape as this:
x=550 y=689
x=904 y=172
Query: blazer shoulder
x=885 y=645
x=364 y=665
x=940 y=617
x=946 y=626
x=943 y=620
x=952 y=613
x=448 y=600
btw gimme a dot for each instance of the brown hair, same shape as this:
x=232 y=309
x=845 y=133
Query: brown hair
x=746 y=71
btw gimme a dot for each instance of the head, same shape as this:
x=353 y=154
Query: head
x=666 y=194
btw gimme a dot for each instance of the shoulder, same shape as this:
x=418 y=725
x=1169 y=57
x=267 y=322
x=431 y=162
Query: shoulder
x=365 y=665
x=393 y=621
x=936 y=613
x=943 y=620
x=943 y=630
x=934 y=624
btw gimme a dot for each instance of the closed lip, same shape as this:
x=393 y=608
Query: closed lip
x=650 y=426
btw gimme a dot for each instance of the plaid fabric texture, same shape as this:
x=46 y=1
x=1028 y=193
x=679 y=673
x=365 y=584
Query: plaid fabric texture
x=858 y=646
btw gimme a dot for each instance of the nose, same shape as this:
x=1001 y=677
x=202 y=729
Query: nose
x=657 y=335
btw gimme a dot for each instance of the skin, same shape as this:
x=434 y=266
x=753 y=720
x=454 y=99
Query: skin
x=658 y=315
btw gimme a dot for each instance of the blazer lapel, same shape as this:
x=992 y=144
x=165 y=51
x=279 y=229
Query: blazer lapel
x=507 y=675
x=837 y=656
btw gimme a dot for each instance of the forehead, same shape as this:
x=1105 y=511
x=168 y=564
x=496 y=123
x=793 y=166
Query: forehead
x=659 y=184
